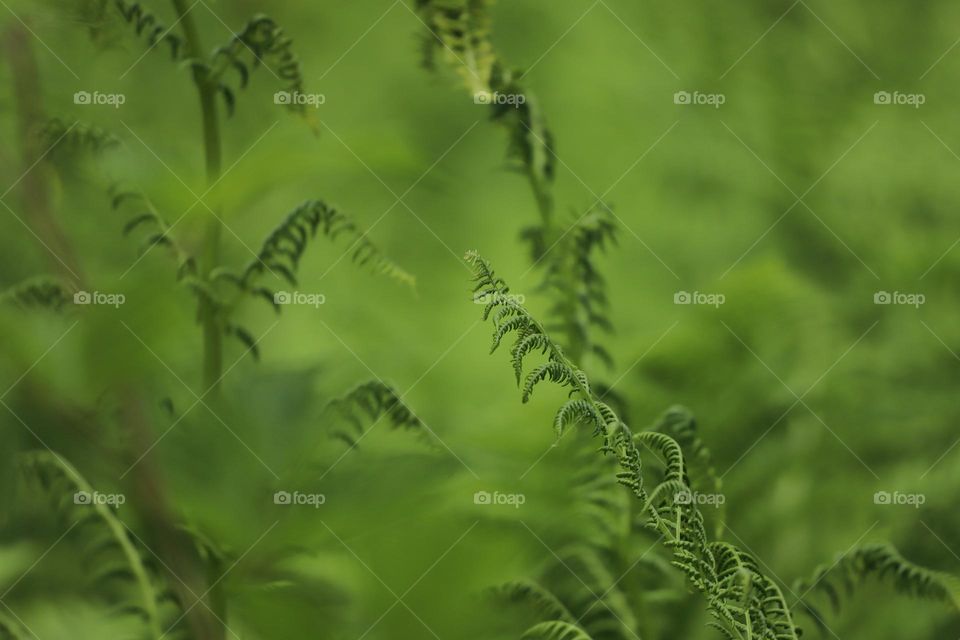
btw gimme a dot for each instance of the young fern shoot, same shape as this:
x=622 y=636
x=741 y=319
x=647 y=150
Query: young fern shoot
x=459 y=36
x=743 y=601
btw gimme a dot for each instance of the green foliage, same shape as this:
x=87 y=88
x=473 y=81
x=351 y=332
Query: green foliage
x=10 y=630
x=743 y=601
x=144 y=218
x=584 y=601
x=261 y=42
x=535 y=597
x=574 y=281
x=40 y=293
x=555 y=630
x=284 y=247
x=369 y=403
x=56 y=134
x=459 y=34
x=117 y=569
x=101 y=14
x=679 y=424
x=882 y=563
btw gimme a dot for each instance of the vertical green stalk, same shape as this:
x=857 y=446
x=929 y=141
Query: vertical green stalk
x=210 y=256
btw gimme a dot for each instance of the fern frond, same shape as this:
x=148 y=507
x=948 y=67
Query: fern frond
x=572 y=413
x=144 y=217
x=284 y=247
x=40 y=292
x=585 y=582
x=113 y=556
x=555 y=630
x=884 y=564
x=56 y=135
x=137 y=17
x=669 y=449
x=459 y=34
x=261 y=42
x=537 y=597
x=680 y=424
x=761 y=608
x=572 y=278
x=366 y=403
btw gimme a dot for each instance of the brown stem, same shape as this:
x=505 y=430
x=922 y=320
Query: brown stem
x=35 y=181
x=175 y=547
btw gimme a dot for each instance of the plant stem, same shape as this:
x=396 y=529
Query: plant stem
x=35 y=185
x=208 y=627
x=210 y=257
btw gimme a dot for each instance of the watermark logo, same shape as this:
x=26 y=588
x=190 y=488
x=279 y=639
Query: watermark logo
x=495 y=97
x=96 y=297
x=900 y=99
x=97 y=498
x=511 y=499
x=487 y=298
x=896 y=498
x=898 y=297
x=298 y=499
x=715 y=500
x=698 y=98
x=297 y=99
x=299 y=297
x=100 y=99
x=697 y=297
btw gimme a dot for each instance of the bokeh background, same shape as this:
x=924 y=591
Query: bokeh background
x=799 y=199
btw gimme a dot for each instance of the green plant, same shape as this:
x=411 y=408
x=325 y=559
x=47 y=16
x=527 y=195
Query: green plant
x=744 y=602
x=197 y=563
x=118 y=568
x=459 y=35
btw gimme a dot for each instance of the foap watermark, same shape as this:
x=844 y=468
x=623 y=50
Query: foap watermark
x=295 y=98
x=97 y=498
x=495 y=97
x=299 y=499
x=698 y=297
x=299 y=297
x=511 y=499
x=896 y=498
x=715 y=500
x=99 y=298
x=698 y=98
x=487 y=298
x=899 y=297
x=899 y=99
x=99 y=99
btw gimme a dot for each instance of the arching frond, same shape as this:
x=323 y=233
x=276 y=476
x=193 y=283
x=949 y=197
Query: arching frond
x=282 y=250
x=261 y=42
x=368 y=403
x=116 y=564
x=881 y=563
x=555 y=630
x=757 y=612
x=144 y=24
x=535 y=596
x=679 y=424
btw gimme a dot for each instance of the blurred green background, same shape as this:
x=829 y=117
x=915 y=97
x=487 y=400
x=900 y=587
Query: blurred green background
x=798 y=200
